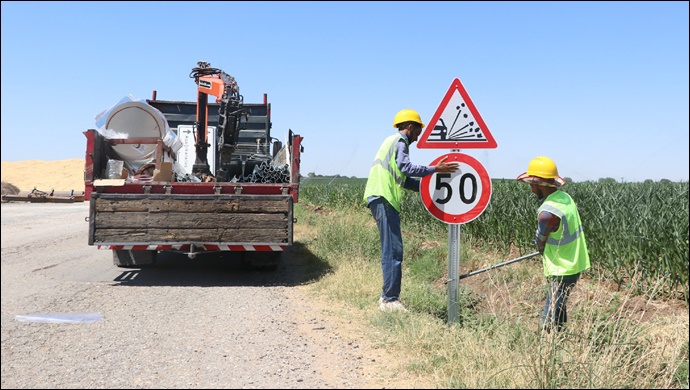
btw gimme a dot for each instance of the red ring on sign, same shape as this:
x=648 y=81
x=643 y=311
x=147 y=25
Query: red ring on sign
x=473 y=213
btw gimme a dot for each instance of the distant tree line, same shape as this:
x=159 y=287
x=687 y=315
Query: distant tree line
x=313 y=175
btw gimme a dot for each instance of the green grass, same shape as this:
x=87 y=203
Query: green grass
x=631 y=228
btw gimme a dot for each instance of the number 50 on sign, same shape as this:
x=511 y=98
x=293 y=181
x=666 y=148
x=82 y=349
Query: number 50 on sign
x=457 y=197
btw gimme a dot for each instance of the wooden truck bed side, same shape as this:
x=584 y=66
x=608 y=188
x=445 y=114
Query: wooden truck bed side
x=168 y=219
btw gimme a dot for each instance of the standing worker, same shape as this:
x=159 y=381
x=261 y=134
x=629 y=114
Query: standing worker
x=389 y=174
x=559 y=238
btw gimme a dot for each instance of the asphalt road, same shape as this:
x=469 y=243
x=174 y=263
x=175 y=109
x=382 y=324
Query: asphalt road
x=202 y=323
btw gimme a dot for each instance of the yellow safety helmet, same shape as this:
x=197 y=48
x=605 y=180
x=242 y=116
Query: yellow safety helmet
x=543 y=171
x=407 y=115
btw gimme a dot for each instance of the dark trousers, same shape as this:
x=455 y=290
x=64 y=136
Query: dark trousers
x=555 y=315
x=388 y=222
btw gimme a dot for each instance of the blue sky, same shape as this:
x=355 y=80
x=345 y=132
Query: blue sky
x=600 y=87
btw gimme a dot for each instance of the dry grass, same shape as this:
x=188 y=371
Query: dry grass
x=9 y=189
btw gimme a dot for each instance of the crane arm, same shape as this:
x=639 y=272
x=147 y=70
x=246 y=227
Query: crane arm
x=213 y=81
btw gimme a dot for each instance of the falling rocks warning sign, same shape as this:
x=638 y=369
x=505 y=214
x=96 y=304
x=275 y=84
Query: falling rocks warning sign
x=456 y=124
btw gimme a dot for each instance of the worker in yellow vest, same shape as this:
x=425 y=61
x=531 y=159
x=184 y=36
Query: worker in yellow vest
x=559 y=238
x=389 y=174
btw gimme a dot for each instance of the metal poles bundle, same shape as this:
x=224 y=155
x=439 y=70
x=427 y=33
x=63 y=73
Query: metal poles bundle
x=267 y=173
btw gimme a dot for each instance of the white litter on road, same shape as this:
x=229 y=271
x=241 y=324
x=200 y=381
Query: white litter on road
x=71 y=318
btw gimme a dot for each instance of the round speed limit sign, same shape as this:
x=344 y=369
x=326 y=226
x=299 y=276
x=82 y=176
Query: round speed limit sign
x=457 y=197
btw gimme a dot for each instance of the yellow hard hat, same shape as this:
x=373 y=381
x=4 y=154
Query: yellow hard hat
x=543 y=167
x=542 y=170
x=407 y=115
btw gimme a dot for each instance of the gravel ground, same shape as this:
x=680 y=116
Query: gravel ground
x=203 y=323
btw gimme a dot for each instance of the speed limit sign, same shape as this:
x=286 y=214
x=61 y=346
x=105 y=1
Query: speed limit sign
x=457 y=197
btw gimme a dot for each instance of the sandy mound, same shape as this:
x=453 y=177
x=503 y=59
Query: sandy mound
x=62 y=175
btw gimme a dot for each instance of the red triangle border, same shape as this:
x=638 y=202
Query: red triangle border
x=423 y=142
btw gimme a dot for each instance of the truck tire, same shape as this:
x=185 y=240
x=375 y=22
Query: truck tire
x=134 y=259
x=264 y=261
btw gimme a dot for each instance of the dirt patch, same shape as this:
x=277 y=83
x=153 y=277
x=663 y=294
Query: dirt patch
x=375 y=366
x=61 y=175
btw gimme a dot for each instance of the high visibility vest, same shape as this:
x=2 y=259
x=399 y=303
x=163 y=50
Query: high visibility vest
x=385 y=178
x=565 y=252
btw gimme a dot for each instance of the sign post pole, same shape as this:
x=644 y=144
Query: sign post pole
x=453 y=268
x=453 y=271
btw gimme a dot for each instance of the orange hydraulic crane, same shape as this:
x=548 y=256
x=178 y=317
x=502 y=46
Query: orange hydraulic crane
x=213 y=81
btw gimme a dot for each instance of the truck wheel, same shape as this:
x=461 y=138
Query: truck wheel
x=264 y=261
x=134 y=259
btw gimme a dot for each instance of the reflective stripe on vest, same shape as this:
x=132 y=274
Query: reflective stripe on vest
x=567 y=236
x=385 y=178
x=388 y=161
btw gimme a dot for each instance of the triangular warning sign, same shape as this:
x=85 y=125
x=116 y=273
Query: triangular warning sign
x=456 y=124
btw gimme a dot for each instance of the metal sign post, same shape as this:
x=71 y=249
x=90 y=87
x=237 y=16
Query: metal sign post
x=453 y=271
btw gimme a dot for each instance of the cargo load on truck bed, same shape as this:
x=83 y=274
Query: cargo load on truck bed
x=192 y=177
